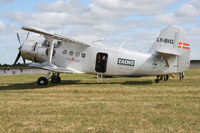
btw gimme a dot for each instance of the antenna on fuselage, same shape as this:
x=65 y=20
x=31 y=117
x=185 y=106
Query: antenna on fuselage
x=122 y=44
x=100 y=40
x=62 y=27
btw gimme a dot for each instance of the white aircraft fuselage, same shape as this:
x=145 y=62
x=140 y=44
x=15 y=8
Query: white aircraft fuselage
x=119 y=61
x=170 y=54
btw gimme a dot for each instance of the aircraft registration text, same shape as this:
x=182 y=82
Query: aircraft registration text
x=127 y=62
x=165 y=40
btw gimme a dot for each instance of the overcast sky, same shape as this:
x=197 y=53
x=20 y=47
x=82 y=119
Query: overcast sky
x=135 y=22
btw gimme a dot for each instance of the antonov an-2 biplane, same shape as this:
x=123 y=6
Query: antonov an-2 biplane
x=169 y=54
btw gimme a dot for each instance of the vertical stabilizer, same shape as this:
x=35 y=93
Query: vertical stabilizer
x=173 y=45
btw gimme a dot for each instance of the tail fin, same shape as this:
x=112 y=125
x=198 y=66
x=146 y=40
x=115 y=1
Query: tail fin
x=172 y=44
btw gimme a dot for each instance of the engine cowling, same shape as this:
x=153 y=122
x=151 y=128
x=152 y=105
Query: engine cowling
x=33 y=51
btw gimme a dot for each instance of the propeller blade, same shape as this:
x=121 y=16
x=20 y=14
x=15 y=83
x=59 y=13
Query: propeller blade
x=27 y=36
x=17 y=58
x=24 y=61
x=19 y=39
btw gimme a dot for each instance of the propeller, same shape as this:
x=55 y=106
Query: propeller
x=19 y=39
x=20 y=49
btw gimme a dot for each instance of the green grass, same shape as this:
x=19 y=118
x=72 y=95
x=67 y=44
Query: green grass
x=79 y=104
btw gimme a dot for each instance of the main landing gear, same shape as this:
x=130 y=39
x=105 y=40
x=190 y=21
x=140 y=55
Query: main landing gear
x=161 y=77
x=42 y=81
x=55 y=78
x=166 y=77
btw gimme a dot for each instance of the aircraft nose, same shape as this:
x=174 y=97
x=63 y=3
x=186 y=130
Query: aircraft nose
x=20 y=49
x=28 y=49
x=32 y=51
x=28 y=46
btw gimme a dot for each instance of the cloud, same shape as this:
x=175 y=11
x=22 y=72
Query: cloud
x=102 y=11
x=189 y=9
x=2 y=26
x=171 y=18
x=70 y=6
x=5 y=1
x=100 y=15
x=193 y=35
x=6 y=29
x=77 y=13
x=140 y=7
x=187 y=13
x=137 y=22
x=101 y=18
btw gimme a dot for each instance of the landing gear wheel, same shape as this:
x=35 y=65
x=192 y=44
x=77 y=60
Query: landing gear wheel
x=42 y=81
x=181 y=76
x=55 y=79
x=157 y=80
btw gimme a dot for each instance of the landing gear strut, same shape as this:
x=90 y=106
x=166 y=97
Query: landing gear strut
x=166 y=77
x=181 y=76
x=55 y=78
x=43 y=81
x=161 y=77
x=157 y=79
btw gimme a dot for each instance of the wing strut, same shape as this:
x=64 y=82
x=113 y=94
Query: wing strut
x=51 y=55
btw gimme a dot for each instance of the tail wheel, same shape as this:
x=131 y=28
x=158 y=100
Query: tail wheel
x=166 y=77
x=181 y=76
x=42 y=81
x=55 y=79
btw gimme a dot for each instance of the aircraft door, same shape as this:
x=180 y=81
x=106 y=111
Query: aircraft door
x=101 y=62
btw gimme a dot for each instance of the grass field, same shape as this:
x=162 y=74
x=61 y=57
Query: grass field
x=117 y=105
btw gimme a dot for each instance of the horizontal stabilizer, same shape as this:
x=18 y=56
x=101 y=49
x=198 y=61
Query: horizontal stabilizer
x=166 y=52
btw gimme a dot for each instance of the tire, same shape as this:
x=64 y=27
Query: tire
x=55 y=79
x=157 y=80
x=42 y=81
x=181 y=76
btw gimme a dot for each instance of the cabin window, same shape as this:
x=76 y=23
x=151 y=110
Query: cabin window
x=57 y=44
x=71 y=53
x=101 y=62
x=83 y=55
x=64 y=51
x=47 y=43
x=77 y=54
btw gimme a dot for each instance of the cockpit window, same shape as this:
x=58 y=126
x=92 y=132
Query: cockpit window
x=57 y=44
x=47 y=43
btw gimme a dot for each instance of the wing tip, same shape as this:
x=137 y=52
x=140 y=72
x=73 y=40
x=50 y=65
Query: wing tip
x=26 y=28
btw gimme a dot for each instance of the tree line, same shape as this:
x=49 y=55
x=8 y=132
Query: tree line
x=17 y=65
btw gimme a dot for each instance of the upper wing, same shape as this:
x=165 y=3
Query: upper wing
x=55 y=36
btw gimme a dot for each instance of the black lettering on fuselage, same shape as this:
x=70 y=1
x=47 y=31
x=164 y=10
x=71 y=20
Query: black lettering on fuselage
x=165 y=40
x=127 y=62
